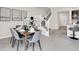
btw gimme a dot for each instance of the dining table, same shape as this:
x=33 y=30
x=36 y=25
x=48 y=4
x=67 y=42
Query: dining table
x=26 y=34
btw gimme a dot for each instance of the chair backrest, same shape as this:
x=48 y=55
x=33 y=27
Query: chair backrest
x=11 y=32
x=36 y=36
x=18 y=26
x=15 y=34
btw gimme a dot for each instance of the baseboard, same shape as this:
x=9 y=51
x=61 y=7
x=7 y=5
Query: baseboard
x=54 y=28
x=5 y=37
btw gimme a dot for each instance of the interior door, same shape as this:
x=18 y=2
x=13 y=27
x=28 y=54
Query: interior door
x=63 y=18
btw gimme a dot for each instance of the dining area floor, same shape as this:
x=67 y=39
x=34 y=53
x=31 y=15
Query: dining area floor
x=57 y=41
x=6 y=46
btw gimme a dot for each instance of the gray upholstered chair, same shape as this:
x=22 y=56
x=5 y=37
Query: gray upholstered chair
x=16 y=36
x=12 y=41
x=35 y=38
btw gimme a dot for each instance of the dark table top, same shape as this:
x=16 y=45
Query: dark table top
x=75 y=28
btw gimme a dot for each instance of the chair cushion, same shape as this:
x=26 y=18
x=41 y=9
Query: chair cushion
x=20 y=35
x=30 y=36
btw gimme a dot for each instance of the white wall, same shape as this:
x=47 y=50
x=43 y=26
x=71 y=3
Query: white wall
x=53 y=22
x=63 y=18
x=4 y=27
x=54 y=17
x=35 y=11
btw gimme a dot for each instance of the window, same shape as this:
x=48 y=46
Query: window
x=24 y=14
x=5 y=14
x=16 y=15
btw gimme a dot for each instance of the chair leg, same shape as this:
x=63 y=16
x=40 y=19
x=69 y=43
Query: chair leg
x=39 y=45
x=11 y=39
x=13 y=42
x=18 y=45
x=26 y=47
x=33 y=46
x=21 y=41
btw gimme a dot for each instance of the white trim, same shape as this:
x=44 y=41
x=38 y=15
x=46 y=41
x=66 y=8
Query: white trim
x=54 y=28
x=5 y=37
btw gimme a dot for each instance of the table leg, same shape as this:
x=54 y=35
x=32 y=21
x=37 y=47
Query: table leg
x=74 y=36
x=26 y=43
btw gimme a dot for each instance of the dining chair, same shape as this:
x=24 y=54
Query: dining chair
x=17 y=38
x=35 y=38
x=12 y=40
x=18 y=26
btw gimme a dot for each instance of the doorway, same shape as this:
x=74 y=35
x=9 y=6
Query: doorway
x=63 y=19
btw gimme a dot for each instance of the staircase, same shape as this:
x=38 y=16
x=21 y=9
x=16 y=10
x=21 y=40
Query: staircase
x=45 y=29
